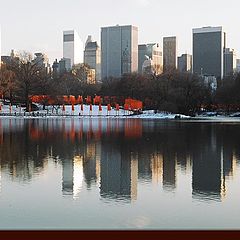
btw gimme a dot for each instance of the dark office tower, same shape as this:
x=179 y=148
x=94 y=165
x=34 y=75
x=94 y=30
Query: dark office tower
x=169 y=53
x=208 y=48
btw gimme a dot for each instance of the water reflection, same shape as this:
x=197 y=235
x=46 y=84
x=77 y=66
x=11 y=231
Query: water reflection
x=117 y=155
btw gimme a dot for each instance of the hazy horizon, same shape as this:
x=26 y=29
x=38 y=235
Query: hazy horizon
x=33 y=27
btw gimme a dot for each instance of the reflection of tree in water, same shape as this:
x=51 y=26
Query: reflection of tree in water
x=117 y=157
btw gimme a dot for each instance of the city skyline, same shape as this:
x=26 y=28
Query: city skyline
x=44 y=32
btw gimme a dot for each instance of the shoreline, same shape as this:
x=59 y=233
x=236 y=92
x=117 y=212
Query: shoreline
x=170 y=117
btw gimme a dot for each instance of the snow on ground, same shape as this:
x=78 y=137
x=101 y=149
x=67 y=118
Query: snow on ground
x=57 y=111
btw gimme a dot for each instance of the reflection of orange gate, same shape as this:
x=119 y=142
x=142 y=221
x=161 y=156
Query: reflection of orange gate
x=133 y=128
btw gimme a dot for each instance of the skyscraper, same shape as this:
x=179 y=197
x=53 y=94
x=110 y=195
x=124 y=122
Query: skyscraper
x=92 y=56
x=230 y=62
x=238 y=65
x=169 y=53
x=152 y=51
x=72 y=47
x=185 y=63
x=208 y=48
x=119 y=50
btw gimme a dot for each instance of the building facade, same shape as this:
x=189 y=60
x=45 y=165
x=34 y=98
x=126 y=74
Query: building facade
x=238 y=65
x=72 y=47
x=230 y=62
x=119 y=50
x=185 y=63
x=92 y=57
x=169 y=53
x=64 y=65
x=42 y=61
x=208 y=48
x=153 y=53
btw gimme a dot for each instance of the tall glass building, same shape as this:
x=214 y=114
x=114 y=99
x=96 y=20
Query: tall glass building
x=119 y=50
x=208 y=49
x=72 y=47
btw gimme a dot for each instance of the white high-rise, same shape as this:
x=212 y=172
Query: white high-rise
x=72 y=47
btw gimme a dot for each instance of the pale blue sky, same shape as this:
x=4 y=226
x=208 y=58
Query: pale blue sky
x=37 y=25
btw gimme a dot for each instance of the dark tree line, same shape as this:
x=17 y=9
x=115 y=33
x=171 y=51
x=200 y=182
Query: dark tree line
x=172 y=91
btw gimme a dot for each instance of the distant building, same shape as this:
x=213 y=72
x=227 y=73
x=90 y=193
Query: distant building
x=169 y=53
x=152 y=53
x=64 y=65
x=85 y=73
x=208 y=48
x=210 y=81
x=238 y=65
x=92 y=57
x=119 y=50
x=91 y=76
x=42 y=61
x=9 y=59
x=6 y=59
x=185 y=63
x=55 y=68
x=72 y=47
x=230 y=62
x=148 y=66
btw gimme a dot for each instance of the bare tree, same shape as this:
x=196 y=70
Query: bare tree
x=7 y=82
x=27 y=73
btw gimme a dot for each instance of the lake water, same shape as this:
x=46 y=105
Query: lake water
x=119 y=174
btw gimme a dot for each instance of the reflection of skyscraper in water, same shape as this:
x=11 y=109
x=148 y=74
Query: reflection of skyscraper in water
x=144 y=167
x=98 y=163
x=206 y=174
x=234 y=164
x=67 y=176
x=77 y=175
x=227 y=161
x=91 y=163
x=169 y=170
x=134 y=176
x=184 y=161
x=157 y=167
x=118 y=174
x=72 y=176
